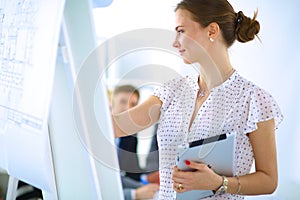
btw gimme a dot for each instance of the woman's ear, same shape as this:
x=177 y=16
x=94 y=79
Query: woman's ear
x=213 y=30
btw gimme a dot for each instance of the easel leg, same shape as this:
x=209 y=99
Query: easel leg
x=12 y=188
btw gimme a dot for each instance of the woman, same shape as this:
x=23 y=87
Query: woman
x=217 y=101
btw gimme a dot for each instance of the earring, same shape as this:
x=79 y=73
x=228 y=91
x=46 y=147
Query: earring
x=211 y=39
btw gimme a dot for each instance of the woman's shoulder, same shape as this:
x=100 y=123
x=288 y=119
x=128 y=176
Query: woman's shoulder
x=249 y=87
x=176 y=88
x=180 y=81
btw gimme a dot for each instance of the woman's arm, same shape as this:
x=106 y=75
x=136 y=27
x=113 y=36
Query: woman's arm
x=137 y=118
x=262 y=181
x=265 y=178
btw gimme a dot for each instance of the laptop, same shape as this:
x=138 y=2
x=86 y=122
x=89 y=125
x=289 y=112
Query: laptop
x=216 y=151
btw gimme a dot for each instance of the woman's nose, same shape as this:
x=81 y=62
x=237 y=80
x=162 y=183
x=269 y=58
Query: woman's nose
x=176 y=43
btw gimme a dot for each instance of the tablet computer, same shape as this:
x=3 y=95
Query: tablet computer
x=217 y=152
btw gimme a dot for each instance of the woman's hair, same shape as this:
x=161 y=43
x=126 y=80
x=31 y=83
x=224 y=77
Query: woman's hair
x=234 y=26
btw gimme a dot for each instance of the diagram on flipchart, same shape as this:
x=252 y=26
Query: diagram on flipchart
x=29 y=33
x=25 y=71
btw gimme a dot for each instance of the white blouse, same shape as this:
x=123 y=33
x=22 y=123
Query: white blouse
x=234 y=106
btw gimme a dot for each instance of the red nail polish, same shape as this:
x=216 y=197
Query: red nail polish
x=187 y=162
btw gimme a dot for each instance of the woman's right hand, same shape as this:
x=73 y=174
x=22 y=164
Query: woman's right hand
x=193 y=180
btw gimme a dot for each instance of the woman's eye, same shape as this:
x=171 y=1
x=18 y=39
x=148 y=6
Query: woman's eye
x=180 y=31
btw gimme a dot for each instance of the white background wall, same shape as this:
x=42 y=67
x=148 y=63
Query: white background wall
x=272 y=63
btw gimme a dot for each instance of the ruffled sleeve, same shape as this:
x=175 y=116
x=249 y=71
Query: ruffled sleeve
x=167 y=91
x=262 y=107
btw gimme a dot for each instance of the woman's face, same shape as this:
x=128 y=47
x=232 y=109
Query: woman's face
x=191 y=39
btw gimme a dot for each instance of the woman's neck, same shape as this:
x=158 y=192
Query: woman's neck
x=214 y=78
x=216 y=69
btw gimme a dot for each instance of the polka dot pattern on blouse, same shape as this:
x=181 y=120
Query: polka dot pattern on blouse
x=234 y=106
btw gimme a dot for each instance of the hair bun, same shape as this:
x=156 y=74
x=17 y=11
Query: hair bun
x=246 y=28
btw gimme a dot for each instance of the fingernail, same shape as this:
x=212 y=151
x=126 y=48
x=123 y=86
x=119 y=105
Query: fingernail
x=187 y=162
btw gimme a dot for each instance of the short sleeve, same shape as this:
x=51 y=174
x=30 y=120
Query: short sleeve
x=167 y=91
x=262 y=107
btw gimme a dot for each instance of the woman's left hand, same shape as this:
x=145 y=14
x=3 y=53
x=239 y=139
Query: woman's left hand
x=202 y=178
